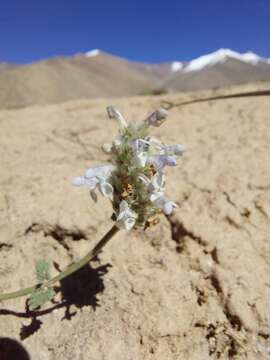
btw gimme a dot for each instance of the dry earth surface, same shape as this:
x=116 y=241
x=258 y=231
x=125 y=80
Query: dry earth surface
x=196 y=286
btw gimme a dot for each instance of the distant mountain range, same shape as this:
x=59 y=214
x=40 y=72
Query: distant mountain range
x=99 y=74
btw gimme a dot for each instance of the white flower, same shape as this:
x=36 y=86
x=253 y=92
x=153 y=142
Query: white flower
x=136 y=156
x=146 y=152
x=114 y=113
x=166 y=205
x=82 y=181
x=105 y=189
x=141 y=158
x=155 y=186
x=126 y=218
x=140 y=145
x=96 y=177
x=102 y=171
x=154 y=144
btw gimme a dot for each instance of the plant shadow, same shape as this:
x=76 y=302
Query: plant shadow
x=79 y=289
x=12 y=349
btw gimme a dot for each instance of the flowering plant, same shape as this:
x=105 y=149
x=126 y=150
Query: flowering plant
x=134 y=179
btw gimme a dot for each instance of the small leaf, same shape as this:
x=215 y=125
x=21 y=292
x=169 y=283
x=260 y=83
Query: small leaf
x=42 y=271
x=39 y=297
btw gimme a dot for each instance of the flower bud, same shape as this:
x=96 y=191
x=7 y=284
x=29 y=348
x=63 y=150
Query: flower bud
x=157 y=117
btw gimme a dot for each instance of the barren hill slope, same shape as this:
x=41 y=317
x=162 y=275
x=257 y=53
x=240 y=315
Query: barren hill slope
x=98 y=74
x=229 y=73
x=6 y=66
x=61 y=79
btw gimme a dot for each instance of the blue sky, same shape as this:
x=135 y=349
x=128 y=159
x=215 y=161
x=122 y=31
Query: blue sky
x=144 y=30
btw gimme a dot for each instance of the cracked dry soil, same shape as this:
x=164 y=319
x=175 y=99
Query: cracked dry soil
x=197 y=286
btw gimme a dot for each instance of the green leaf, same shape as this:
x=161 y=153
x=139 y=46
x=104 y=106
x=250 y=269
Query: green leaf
x=42 y=271
x=39 y=297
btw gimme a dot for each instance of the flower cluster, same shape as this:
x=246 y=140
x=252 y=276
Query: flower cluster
x=134 y=179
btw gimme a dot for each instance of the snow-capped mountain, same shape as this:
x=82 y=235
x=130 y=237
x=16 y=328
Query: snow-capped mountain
x=96 y=73
x=221 y=68
x=221 y=56
x=176 y=66
x=93 y=53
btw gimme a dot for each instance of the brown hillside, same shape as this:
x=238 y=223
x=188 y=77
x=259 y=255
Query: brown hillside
x=61 y=79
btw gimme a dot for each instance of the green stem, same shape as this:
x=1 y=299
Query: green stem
x=69 y=270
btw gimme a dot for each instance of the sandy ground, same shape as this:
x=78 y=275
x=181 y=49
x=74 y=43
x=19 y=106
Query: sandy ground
x=196 y=286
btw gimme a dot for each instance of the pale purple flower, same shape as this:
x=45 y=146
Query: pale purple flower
x=155 y=186
x=160 y=161
x=166 y=205
x=140 y=145
x=177 y=149
x=102 y=171
x=96 y=177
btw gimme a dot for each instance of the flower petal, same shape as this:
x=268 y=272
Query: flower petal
x=83 y=181
x=144 y=179
x=91 y=183
x=99 y=171
x=78 y=181
x=141 y=159
x=123 y=210
x=163 y=203
x=140 y=145
x=127 y=224
x=106 y=189
x=177 y=149
x=168 y=207
x=158 y=180
x=155 y=196
x=127 y=217
x=160 y=161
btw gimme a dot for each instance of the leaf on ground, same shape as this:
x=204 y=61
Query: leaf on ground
x=42 y=271
x=39 y=297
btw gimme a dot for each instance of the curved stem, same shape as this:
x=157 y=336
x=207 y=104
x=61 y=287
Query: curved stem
x=69 y=270
x=219 y=97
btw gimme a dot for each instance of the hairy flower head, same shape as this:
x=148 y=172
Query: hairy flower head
x=134 y=179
